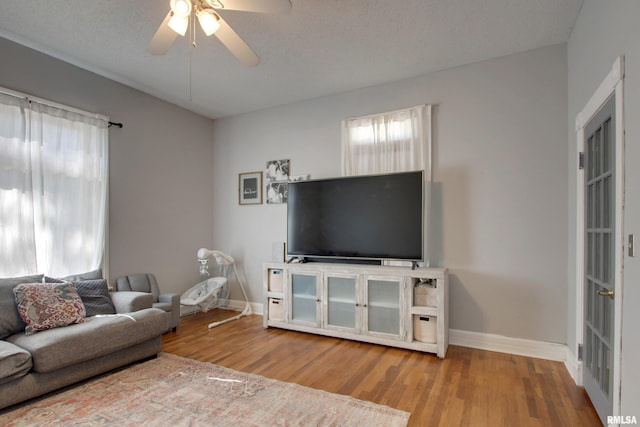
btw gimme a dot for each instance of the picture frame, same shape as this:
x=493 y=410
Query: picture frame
x=278 y=170
x=250 y=188
x=277 y=192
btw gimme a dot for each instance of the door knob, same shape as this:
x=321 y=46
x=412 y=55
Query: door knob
x=607 y=293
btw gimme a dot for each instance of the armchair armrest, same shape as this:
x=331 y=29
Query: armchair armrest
x=127 y=302
x=173 y=299
x=174 y=314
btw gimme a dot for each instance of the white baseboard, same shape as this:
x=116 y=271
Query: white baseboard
x=502 y=344
x=574 y=367
x=522 y=347
x=239 y=306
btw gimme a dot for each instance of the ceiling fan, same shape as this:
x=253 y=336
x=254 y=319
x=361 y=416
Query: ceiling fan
x=207 y=11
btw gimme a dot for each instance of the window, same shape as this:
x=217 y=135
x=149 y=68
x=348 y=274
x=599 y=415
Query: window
x=396 y=141
x=53 y=187
x=389 y=142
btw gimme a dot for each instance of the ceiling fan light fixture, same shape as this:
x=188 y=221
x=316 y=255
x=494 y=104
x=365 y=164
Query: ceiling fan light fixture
x=179 y=24
x=208 y=21
x=181 y=8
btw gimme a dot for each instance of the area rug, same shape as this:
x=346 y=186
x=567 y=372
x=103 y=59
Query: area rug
x=174 y=391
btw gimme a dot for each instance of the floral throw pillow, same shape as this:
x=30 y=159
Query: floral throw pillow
x=45 y=306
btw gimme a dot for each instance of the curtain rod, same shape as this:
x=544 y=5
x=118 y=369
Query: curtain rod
x=387 y=112
x=30 y=98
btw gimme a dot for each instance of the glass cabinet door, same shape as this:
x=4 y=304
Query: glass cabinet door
x=384 y=306
x=304 y=297
x=341 y=302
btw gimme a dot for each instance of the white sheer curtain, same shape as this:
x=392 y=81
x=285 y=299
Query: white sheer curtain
x=53 y=188
x=389 y=142
x=396 y=141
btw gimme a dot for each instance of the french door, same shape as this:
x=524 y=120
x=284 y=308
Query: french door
x=600 y=254
x=599 y=243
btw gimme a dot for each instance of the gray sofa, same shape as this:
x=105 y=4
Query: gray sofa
x=32 y=365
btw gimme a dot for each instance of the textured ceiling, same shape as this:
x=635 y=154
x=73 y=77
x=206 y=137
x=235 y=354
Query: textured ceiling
x=321 y=47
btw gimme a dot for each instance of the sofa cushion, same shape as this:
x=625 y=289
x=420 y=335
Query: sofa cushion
x=10 y=320
x=140 y=282
x=89 y=275
x=45 y=306
x=127 y=302
x=95 y=297
x=98 y=336
x=14 y=362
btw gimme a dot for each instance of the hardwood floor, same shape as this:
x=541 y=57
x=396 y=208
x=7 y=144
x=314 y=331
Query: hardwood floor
x=468 y=388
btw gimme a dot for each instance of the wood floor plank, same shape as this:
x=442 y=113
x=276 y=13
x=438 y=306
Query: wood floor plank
x=468 y=388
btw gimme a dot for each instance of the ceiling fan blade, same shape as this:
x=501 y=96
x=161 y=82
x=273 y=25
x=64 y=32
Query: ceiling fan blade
x=261 y=6
x=236 y=45
x=163 y=38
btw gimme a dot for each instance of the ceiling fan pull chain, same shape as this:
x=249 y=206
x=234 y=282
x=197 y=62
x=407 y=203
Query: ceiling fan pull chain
x=193 y=31
x=192 y=34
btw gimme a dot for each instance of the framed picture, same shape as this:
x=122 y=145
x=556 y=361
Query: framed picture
x=250 y=188
x=277 y=170
x=277 y=192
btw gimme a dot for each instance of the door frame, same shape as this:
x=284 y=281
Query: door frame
x=611 y=85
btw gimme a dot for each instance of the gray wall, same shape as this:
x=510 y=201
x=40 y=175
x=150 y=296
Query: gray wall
x=501 y=183
x=500 y=171
x=160 y=165
x=604 y=31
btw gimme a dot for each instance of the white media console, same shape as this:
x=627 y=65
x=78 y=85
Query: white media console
x=395 y=306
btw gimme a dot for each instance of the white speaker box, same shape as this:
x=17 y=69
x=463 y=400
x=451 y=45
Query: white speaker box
x=277 y=252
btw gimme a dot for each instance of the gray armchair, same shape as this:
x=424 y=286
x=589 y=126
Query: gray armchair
x=148 y=283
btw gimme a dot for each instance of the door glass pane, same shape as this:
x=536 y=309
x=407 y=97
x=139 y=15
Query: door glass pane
x=595 y=160
x=593 y=205
x=606 y=258
x=607 y=199
x=589 y=254
x=304 y=297
x=606 y=146
x=383 y=306
x=606 y=366
x=607 y=327
x=596 y=357
x=597 y=223
x=589 y=301
x=596 y=309
x=597 y=254
x=588 y=349
x=341 y=304
x=589 y=154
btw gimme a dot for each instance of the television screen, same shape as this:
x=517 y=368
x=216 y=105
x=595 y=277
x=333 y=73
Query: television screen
x=368 y=217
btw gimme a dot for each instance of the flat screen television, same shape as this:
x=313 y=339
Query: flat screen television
x=373 y=217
